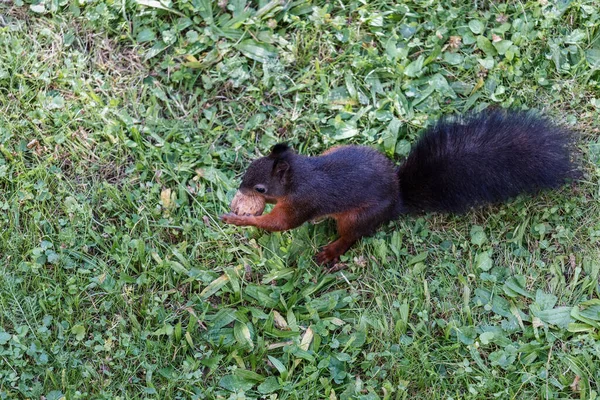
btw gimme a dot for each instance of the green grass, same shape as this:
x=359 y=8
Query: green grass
x=124 y=129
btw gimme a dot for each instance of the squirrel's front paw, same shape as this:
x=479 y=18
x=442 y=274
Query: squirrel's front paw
x=239 y=220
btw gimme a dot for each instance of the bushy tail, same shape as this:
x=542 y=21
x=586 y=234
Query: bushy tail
x=484 y=158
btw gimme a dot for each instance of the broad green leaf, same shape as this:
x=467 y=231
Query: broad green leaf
x=159 y=5
x=466 y=334
x=177 y=267
x=476 y=26
x=166 y=330
x=224 y=317
x=260 y=52
x=503 y=358
x=588 y=312
x=285 y=273
x=478 y=236
x=575 y=37
x=593 y=57
x=486 y=46
x=78 y=331
x=483 y=260
x=54 y=395
x=242 y=334
x=4 y=338
x=545 y=301
x=155 y=50
x=346 y=131
x=267 y=8
x=487 y=63
x=577 y=327
x=278 y=366
x=453 y=58
x=270 y=385
x=146 y=35
x=235 y=383
x=502 y=46
x=214 y=286
x=440 y=84
x=261 y=294
x=415 y=68
x=418 y=258
x=249 y=375
x=559 y=316
x=515 y=286
x=486 y=337
x=234 y=277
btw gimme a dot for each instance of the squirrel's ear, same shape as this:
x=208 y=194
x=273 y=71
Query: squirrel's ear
x=281 y=170
x=281 y=167
x=279 y=150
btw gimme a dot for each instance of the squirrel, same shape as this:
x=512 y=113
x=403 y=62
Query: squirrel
x=459 y=163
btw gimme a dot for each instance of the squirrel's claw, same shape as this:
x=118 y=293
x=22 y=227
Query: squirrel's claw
x=326 y=257
x=233 y=219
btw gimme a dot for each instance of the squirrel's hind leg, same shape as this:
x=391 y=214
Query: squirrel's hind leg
x=351 y=226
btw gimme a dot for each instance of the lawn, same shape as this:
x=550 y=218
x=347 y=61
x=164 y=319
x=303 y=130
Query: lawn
x=126 y=125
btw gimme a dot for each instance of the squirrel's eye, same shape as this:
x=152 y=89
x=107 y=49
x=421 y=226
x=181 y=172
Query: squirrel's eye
x=260 y=188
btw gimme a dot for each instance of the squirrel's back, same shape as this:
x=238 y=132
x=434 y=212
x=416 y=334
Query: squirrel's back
x=483 y=158
x=349 y=177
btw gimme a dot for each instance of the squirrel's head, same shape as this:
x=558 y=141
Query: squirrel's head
x=269 y=176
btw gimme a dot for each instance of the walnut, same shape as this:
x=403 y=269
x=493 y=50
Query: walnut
x=243 y=204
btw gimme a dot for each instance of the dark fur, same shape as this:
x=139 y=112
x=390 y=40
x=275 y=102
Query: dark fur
x=484 y=158
x=458 y=164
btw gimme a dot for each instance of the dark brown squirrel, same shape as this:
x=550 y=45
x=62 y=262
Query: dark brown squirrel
x=457 y=164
